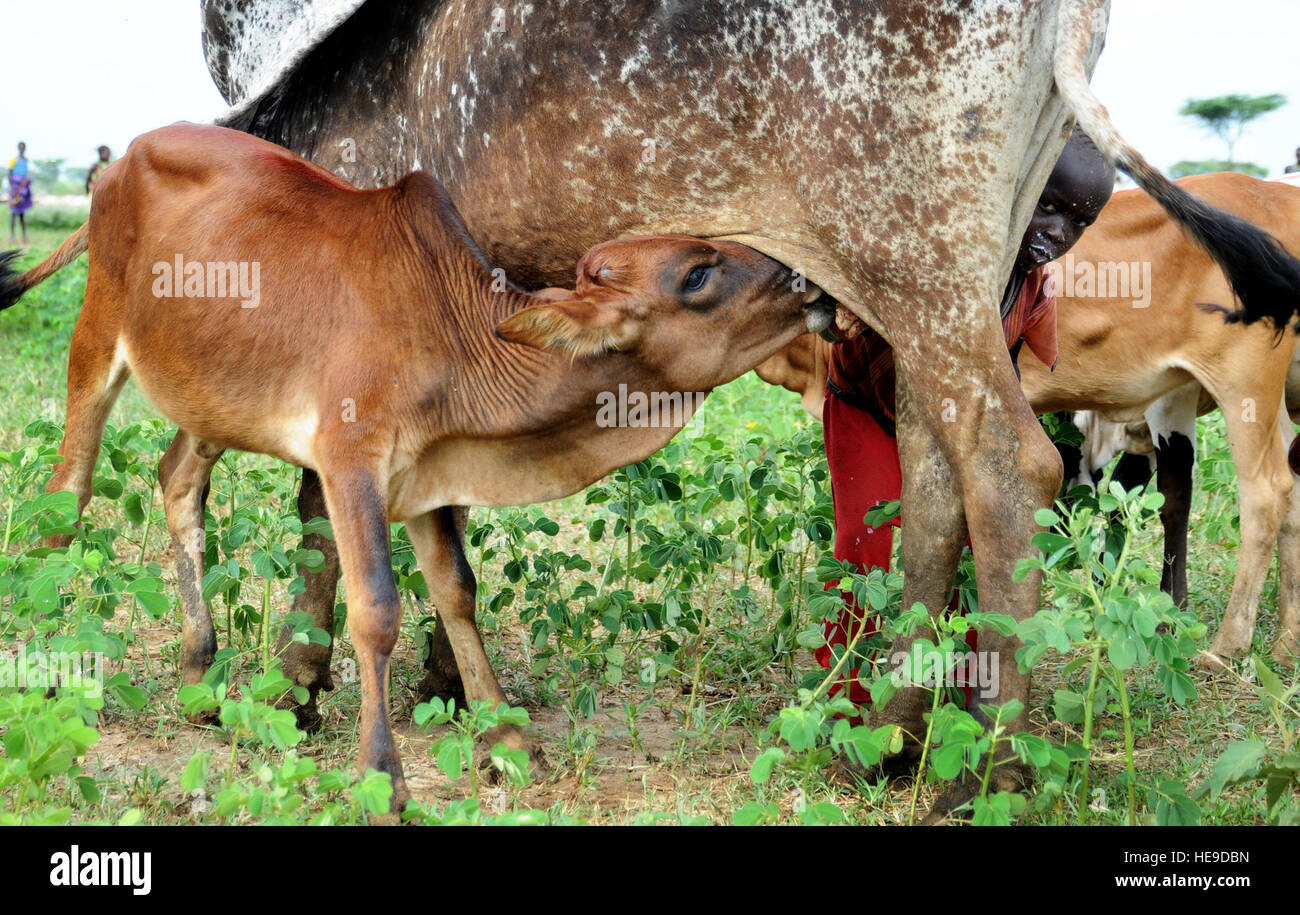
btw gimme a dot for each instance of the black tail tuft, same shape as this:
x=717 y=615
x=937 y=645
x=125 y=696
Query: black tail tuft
x=11 y=287
x=1264 y=276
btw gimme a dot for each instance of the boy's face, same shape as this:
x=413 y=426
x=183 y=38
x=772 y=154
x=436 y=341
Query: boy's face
x=1079 y=187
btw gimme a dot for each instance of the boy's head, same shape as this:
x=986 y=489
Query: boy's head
x=104 y=153
x=22 y=148
x=1078 y=188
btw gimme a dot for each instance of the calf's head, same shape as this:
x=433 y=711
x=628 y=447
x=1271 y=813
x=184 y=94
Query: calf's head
x=698 y=312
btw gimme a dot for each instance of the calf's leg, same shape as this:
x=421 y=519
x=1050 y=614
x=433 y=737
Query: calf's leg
x=183 y=474
x=95 y=378
x=436 y=537
x=442 y=677
x=358 y=508
x=309 y=665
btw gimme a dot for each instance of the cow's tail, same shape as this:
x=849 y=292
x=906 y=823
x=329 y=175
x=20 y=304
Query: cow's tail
x=13 y=284
x=1265 y=278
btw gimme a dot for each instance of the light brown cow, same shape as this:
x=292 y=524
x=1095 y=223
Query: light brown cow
x=1141 y=317
x=379 y=354
x=1124 y=348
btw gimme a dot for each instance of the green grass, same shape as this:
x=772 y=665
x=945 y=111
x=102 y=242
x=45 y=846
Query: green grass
x=651 y=677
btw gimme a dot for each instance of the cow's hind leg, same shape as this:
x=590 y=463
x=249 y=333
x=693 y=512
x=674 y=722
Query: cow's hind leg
x=1264 y=483
x=309 y=665
x=1287 y=649
x=442 y=677
x=184 y=473
x=961 y=405
x=933 y=530
x=436 y=537
x=1003 y=469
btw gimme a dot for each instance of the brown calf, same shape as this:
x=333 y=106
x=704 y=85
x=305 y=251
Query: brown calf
x=383 y=354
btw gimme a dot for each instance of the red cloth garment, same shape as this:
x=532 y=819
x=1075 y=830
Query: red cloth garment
x=864 y=469
x=863 y=368
x=862 y=452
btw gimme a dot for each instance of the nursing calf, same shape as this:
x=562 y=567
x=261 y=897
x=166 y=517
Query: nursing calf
x=384 y=354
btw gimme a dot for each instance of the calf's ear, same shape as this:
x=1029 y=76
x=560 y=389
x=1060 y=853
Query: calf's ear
x=577 y=327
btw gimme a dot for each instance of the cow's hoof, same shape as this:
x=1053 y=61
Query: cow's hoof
x=953 y=806
x=1227 y=646
x=844 y=771
x=1212 y=662
x=538 y=765
x=308 y=716
x=906 y=711
x=401 y=795
x=1286 y=652
x=893 y=766
x=437 y=685
x=204 y=719
x=956 y=804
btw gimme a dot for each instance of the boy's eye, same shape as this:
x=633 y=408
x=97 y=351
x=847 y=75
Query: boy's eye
x=1047 y=207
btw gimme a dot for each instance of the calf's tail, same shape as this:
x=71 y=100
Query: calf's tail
x=13 y=284
x=1265 y=278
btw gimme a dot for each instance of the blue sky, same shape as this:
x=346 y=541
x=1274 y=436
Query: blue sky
x=90 y=72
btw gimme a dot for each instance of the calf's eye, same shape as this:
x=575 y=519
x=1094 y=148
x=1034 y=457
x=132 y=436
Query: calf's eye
x=696 y=279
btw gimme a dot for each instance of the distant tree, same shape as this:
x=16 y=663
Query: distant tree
x=46 y=172
x=1226 y=116
x=1205 y=166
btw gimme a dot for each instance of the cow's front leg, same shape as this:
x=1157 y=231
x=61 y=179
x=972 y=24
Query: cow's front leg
x=1172 y=421
x=309 y=665
x=358 y=508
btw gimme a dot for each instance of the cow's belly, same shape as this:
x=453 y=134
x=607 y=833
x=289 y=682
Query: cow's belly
x=1119 y=391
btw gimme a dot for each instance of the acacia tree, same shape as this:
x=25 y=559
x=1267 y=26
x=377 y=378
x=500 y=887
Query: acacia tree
x=1226 y=116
